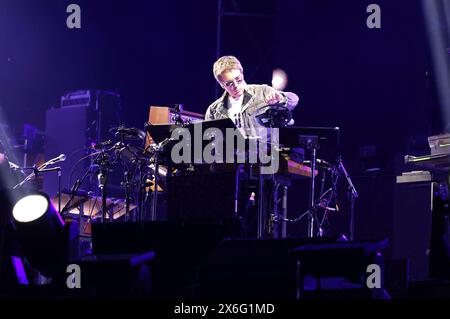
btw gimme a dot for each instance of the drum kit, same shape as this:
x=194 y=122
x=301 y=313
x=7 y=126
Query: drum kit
x=136 y=164
x=90 y=202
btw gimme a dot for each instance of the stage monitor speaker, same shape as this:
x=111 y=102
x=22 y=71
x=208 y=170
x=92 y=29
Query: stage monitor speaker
x=178 y=248
x=353 y=270
x=251 y=269
x=116 y=276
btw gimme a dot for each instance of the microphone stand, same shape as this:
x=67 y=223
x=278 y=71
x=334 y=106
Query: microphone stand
x=102 y=180
x=155 y=190
x=36 y=171
x=142 y=196
x=127 y=183
x=76 y=186
x=312 y=143
x=313 y=190
x=128 y=177
x=353 y=196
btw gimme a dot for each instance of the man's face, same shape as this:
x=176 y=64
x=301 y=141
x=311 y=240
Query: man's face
x=233 y=82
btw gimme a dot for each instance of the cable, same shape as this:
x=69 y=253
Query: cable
x=78 y=162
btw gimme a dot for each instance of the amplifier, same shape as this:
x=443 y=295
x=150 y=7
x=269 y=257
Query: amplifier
x=77 y=98
x=96 y=99
x=166 y=115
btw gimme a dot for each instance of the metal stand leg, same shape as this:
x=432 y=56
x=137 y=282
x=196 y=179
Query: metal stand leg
x=284 y=213
x=275 y=222
x=59 y=191
x=261 y=208
x=103 y=191
x=127 y=197
x=300 y=282
x=142 y=200
x=81 y=226
x=353 y=195
x=312 y=205
x=352 y=218
x=155 y=191
x=236 y=192
x=279 y=217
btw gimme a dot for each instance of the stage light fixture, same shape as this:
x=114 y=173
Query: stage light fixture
x=30 y=208
x=279 y=79
x=40 y=230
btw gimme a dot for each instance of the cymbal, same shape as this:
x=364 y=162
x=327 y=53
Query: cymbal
x=129 y=133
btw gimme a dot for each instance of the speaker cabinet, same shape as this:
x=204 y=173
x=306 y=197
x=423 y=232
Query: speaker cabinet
x=70 y=131
x=411 y=237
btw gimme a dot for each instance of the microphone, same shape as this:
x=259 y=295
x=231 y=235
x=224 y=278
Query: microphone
x=60 y=158
x=323 y=204
x=97 y=146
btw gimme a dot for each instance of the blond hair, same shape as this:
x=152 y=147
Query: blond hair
x=227 y=62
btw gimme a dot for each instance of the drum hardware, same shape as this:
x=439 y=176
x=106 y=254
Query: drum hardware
x=142 y=194
x=127 y=184
x=128 y=133
x=311 y=143
x=76 y=186
x=103 y=162
x=104 y=157
x=311 y=138
x=328 y=199
x=138 y=157
x=157 y=150
x=134 y=175
x=177 y=119
x=134 y=155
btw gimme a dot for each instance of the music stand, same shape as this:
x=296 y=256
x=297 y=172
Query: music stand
x=162 y=135
x=310 y=138
x=160 y=132
x=327 y=138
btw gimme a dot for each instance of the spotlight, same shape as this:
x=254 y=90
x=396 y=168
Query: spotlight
x=40 y=230
x=30 y=208
x=279 y=79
